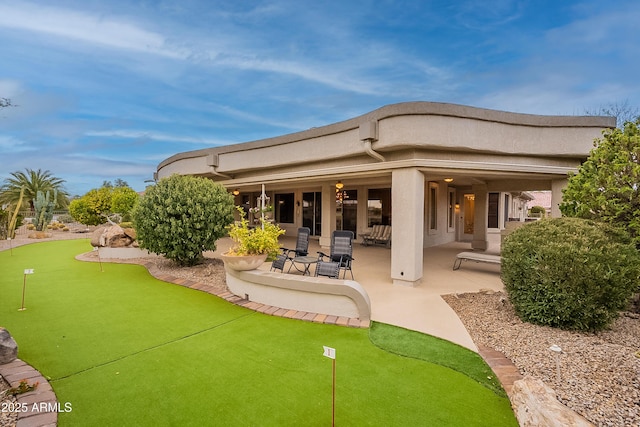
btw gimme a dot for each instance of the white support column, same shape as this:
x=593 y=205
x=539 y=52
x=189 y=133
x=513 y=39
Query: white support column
x=328 y=214
x=556 y=196
x=407 y=199
x=480 y=241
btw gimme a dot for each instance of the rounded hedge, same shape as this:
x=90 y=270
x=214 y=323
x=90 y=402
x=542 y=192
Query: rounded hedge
x=182 y=216
x=569 y=273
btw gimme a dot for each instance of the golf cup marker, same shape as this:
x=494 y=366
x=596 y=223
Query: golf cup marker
x=329 y=352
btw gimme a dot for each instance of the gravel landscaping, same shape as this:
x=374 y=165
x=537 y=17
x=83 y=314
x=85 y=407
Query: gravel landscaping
x=599 y=374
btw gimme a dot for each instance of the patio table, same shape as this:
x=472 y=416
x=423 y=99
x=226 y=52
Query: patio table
x=306 y=261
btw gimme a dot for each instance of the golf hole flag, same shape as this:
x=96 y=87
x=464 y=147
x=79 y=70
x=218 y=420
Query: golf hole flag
x=329 y=352
x=28 y=271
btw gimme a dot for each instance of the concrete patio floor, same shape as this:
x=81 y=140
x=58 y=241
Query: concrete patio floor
x=418 y=308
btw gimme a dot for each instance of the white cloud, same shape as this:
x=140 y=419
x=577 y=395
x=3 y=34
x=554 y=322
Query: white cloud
x=85 y=27
x=155 y=136
x=10 y=144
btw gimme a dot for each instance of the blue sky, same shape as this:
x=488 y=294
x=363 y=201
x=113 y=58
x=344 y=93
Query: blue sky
x=108 y=89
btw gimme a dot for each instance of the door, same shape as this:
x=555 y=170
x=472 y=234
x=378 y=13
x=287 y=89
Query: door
x=347 y=210
x=312 y=212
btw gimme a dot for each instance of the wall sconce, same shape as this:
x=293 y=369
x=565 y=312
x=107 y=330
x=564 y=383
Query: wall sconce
x=457 y=206
x=339 y=185
x=448 y=180
x=235 y=192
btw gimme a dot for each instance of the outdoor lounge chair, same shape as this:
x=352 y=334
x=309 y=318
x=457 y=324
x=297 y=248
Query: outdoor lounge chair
x=341 y=253
x=302 y=246
x=380 y=235
x=279 y=262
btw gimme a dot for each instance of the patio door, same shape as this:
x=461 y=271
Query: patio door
x=347 y=210
x=312 y=212
x=469 y=213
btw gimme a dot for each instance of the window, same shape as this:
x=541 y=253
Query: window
x=284 y=208
x=492 y=217
x=451 y=213
x=433 y=206
x=379 y=206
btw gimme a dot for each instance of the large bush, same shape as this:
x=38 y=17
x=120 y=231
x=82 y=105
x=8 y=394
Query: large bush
x=569 y=273
x=606 y=187
x=105 y=202
x=182 y=216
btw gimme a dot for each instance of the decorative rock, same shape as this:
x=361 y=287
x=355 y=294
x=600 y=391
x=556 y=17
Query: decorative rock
x=8 y=347
x=130 y=232
x=115 y=237
x=535 y=404
x=96 y=235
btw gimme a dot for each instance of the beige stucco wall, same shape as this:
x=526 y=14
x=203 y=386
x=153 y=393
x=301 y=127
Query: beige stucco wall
x=419 y=134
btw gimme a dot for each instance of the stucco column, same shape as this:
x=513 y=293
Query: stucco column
x=480 y=218
x=407 y=199
x=556 y=196
x=328 y=214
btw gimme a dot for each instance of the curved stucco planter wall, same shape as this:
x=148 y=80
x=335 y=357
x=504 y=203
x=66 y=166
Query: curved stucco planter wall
x=345 y=298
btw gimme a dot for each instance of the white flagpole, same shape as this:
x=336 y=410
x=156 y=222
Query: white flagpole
x=331 y=354
x=263 y=196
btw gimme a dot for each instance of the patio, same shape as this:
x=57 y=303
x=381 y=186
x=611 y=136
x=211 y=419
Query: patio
x=417 y=308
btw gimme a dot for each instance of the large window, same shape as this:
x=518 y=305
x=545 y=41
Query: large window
x=284 y=208
x=379 y=206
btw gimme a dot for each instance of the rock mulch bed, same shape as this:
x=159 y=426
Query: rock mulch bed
x=8 y=418
x=599 y=374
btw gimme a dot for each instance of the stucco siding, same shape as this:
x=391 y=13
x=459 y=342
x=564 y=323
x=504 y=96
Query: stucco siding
x=461 y=134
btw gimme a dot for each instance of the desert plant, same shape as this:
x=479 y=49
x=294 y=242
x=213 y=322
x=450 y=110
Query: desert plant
x=65 y=218
x=254 y=241
x=182 y=216
x=43 y=206
x=569 y=273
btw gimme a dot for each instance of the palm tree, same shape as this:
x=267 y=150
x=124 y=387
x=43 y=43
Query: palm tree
x=32 y=182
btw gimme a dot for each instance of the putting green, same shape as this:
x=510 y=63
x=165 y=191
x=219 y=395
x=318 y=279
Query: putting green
x=126 y=349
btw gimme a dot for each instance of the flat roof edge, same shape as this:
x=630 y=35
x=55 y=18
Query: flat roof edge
x=408 y=109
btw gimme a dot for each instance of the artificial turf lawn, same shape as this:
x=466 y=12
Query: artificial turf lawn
x=126 y=349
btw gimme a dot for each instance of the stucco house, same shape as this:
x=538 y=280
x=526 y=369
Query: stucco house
x=435 y=172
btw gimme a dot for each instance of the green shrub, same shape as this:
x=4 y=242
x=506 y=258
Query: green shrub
x=182 y=216
x=569 y=273
x=126 y=224
x=65 y=218
x=254 y=241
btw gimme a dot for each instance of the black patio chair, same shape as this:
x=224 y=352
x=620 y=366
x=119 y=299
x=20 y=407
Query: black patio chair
x=279 y=262
x=341 y=252
x=302 y=246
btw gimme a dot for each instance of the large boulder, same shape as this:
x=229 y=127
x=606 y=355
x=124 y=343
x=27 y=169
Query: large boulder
x=8 y=347
x=96 y=235
x=115 y=237
x=536 y=404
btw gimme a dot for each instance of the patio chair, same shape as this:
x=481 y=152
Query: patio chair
x=329 y=269
x=370 y=238
x=279 y=262
x=341 y=252
x=302 y=246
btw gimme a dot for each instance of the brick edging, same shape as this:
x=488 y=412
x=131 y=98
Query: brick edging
x=34 y=406
x=502 y=366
